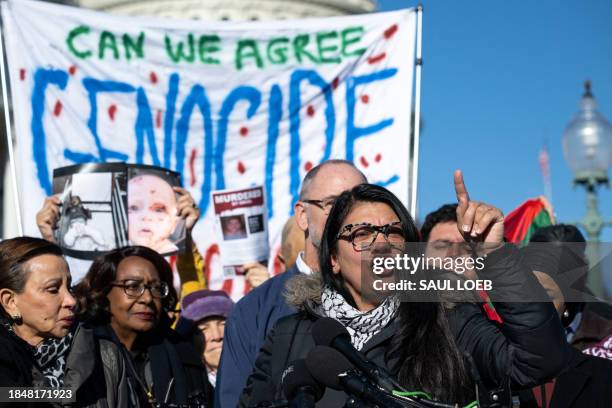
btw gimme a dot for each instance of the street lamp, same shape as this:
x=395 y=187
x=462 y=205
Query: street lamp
x=587 y=147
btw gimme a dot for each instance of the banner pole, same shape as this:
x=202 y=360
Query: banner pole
x=417 y=114
x=9 y=133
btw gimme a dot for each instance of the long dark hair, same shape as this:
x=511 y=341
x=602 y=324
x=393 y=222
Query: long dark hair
x=91 y=292
x=428 y=357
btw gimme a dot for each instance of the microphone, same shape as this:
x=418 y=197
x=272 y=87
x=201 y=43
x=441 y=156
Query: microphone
x=302 y=390
x=329 y=332
x=333 y=370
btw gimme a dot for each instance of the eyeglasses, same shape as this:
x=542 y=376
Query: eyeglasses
x=135 y=288
x=325 y=205
x=363 y=235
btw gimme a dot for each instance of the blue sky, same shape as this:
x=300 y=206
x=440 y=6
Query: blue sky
x=498 y=78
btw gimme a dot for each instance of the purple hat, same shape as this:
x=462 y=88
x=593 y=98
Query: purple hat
x=201 y=304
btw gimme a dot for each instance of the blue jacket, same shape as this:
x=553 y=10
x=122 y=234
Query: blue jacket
x=246 y=329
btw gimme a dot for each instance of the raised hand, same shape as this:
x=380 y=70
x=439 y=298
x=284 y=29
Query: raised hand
x=477 y=221
x=48 y=216
x=186 y=208
x=256 y=273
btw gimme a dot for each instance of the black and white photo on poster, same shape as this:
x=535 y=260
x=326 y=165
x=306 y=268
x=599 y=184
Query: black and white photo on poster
x=112 y=205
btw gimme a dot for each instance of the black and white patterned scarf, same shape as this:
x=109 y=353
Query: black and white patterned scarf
x=362 y=326
x=50 y=355
x=51 y=358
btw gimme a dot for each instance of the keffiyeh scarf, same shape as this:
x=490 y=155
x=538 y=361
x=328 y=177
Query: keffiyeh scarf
x=362 y=326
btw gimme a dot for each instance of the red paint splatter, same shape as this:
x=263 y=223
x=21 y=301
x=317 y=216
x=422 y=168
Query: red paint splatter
x=364 y=161
x=158 y=119
x=57 y=109
x=72 y=70
x=310 y=111
x=153 y=77
x=378 y=157
x=389 y=32
x=377 y=58
x=192 y=173
x=22 y=73
x=172 y=261
x=365 y=98
x=307 y=166
x=335 y=83
x=241 y=168
x=244 y=131
x=228 y=285
x=112 y=110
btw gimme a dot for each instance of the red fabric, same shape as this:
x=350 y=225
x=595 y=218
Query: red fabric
x=518 y=222
x=488 y=308
x=543 y=393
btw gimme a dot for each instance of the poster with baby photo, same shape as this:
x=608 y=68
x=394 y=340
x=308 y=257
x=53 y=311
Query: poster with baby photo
x=93 y=216
x=112 y=205
x=242 y=228
x=152 y=209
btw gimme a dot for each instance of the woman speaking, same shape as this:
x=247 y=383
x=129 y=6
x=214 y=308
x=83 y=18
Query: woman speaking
x=423 y=344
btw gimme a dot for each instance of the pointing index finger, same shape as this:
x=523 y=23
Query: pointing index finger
x=462 y=195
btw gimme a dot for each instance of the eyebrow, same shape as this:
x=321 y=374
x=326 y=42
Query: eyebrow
x=52 y=281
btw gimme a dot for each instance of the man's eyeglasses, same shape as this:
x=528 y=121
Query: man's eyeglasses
x=363 y=235
x=135 y=288
x=325 y=205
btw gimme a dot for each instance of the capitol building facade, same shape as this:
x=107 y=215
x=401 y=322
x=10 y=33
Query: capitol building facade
x=234 y=10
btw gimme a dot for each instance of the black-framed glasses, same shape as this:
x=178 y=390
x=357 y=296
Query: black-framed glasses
x=325 y=205
x=135 y=288
x=363 y=235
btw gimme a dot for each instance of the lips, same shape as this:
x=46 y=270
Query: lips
x=68 y=320
x=145 y=232
x=147 y=316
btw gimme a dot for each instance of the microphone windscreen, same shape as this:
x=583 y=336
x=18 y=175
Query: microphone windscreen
x=325 y=331
x=295 y=376
x=325 y=364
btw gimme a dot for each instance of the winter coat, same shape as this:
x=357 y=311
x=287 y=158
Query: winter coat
x=97 y=378
x=529 y=348
x=173 y=369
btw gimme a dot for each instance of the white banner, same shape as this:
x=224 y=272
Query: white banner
x=228 y=105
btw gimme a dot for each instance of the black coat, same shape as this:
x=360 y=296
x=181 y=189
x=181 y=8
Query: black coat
x=528 y=349
x=587 y=382
x=175 y=368
x=17 y=364
x=291 y=339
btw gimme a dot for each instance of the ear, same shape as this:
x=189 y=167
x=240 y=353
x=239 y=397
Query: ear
x=300 y=216
x=8 y=302
x=335 y=264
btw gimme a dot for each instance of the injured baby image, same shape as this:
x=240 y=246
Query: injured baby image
x=152 y=213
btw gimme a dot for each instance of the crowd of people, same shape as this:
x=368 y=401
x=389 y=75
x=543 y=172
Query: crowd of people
x=124 y=336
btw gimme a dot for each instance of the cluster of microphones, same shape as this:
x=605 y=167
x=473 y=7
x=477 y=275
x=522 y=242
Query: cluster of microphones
x=336 y=364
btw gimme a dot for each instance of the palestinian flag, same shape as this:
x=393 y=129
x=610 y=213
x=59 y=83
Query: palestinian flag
x=521 y=223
